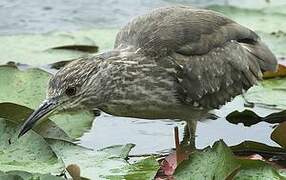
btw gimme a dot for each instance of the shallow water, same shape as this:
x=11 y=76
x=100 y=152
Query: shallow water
x=33 y=16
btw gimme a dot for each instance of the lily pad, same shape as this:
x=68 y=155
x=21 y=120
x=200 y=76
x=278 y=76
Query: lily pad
x=47 y=128
x=27 y=88
x=102 y=164
x=214 y=163
x=42 y=49
x=270 y=93
x=21 y=154
x=144 y=169
x=257 y=170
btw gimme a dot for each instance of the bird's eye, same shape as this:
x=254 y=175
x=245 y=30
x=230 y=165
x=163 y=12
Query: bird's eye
x=70 y=91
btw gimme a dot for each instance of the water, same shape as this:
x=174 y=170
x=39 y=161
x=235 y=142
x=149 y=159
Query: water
x=33 y=16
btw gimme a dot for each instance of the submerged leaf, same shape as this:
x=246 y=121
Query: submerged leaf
x=30 y=153
x=214 y=163
x=37 y=49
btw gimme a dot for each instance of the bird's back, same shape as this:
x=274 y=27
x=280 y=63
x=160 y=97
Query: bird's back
x=214 y=57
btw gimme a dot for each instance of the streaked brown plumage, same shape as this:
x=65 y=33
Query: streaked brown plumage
x=177 y=62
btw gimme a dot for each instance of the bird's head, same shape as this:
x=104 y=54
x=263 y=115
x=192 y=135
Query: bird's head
x=70 y=88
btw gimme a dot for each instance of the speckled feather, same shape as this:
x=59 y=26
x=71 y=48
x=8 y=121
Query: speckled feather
x=176 y=62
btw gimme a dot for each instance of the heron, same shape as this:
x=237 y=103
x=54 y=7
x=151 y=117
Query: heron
x=175 y=62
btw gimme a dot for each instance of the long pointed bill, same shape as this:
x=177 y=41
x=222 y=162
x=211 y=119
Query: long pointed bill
x=38 y=114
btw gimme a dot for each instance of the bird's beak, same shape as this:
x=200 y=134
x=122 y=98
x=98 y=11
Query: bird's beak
x=44 y=109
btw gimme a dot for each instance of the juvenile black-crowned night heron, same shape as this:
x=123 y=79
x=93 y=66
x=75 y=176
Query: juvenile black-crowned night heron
x=176 y=63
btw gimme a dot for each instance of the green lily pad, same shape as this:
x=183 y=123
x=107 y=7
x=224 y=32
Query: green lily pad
x=119 y=150
x=144 y=169
x=257 y=170
x=214 y=163
x=27 y=88
x=102 y=164
x=47 y=128
x=270 y=93
x=42 y=49
x=30 y=153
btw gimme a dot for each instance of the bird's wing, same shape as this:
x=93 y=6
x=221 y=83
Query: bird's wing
x=216 y=58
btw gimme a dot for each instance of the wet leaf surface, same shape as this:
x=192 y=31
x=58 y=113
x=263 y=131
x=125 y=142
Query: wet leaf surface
x=270 y=93
x=27 y=88
x=106 y=163
x=21 y=154
x=46 y=128
x=214 y=163
x=257 y=170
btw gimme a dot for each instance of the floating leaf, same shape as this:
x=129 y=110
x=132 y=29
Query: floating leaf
x=47 y=128
x=119 y=150
x=28 y=88
x=214 y=163
x=144 y=169
x=270 y=93
x=257 y=170
x=37 y=49
x=102 y=164
x=30 y=153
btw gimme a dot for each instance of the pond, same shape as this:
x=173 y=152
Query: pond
x=150 y=136
x=40 y=36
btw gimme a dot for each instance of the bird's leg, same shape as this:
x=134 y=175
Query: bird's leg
x=186 y=136
x=192 y=125
x=189 y=138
